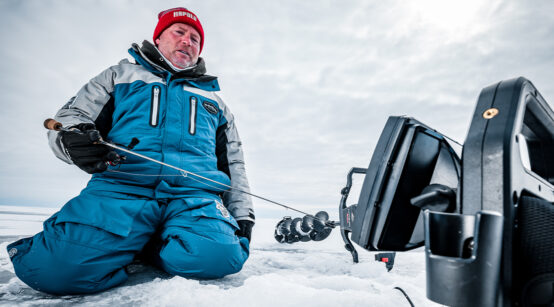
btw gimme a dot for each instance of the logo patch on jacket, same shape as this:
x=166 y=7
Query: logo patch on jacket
x=210 y=107
x=222 y=209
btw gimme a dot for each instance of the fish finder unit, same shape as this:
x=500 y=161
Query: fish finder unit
x=485 y=219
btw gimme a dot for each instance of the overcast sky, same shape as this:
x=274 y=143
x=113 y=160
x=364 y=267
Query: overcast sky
x=311 y=83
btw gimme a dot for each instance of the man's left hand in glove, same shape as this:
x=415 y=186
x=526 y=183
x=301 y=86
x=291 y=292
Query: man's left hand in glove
x=245 y=229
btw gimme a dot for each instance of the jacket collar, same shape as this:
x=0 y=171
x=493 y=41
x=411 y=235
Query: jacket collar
x=150 y=58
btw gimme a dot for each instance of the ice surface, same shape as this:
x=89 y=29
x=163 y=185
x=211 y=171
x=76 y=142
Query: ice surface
x=300 y=274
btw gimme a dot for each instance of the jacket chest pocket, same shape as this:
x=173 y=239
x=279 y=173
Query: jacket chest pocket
x=202 y=117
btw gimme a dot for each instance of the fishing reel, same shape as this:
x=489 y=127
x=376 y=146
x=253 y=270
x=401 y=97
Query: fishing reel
x=308 y=228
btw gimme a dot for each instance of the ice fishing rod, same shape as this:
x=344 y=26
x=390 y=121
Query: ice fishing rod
x=52 y=124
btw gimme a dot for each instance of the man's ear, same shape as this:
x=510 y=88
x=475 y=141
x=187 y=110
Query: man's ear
x=157 y=41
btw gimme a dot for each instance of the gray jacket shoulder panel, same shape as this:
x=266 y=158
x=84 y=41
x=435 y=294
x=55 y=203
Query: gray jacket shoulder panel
x=127 y=72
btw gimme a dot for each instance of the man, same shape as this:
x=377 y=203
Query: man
x=185 y=225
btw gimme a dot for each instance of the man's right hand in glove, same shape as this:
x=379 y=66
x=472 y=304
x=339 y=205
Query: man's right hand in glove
x=79 y=143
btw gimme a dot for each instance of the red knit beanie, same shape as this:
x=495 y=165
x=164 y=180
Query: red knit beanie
x=178 y=14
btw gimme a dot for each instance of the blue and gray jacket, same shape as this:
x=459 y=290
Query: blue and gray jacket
x=178 y=118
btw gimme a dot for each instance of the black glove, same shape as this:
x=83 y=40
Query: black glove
x=79 y=144
x=245 y=229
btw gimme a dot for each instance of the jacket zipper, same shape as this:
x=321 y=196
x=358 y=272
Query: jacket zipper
x=192 y=119
x=155 y=106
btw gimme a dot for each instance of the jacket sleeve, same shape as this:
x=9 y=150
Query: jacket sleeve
x=230 y=160
x=92 y=104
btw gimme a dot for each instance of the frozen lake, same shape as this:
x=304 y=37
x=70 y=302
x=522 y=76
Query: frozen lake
x=300 y=274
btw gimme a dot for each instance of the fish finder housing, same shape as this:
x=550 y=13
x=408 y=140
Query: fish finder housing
x=409 y=158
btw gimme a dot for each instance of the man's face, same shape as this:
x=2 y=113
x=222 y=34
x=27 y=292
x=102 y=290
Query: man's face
x=180 y=44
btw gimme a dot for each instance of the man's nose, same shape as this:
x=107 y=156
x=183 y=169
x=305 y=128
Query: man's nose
x=185 y=40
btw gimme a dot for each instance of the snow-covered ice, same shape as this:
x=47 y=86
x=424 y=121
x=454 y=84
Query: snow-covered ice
x=300 y=274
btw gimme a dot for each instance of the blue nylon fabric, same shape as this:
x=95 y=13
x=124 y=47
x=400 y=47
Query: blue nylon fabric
x=210 y=245
x=86 y=245
x=170 y=140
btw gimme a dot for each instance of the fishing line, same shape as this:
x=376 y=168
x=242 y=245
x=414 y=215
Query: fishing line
x=184 y=173
x=453 y=140
x=145 y=175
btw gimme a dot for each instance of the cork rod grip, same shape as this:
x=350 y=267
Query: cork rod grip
x=52 y=124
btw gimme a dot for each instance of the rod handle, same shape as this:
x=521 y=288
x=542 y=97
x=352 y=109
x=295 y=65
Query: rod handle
x=52 y=124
